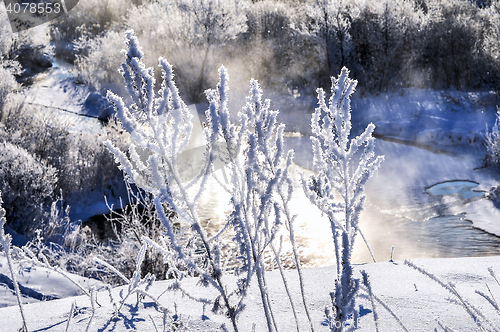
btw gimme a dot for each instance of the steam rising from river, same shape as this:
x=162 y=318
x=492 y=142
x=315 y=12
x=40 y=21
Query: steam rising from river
x=399 y=211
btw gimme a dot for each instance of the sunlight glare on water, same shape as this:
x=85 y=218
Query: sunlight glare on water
x=413 y=203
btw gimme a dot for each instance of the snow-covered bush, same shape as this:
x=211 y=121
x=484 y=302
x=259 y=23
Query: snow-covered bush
x=7 y=80
x=100 y=59
x=343 y=170
x=27 y=185
x=492 y=141
x=23 y=53
x=82 y=162
x=8 y=67
x=89 y=19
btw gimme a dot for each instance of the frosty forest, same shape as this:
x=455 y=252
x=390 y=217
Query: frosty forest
x=227 y=165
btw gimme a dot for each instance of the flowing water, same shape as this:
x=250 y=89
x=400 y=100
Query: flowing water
x=415 y=202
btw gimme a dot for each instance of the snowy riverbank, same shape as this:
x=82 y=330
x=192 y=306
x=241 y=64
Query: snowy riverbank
x=416 y=300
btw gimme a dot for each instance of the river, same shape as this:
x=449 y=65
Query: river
x=403 y=209
x=415 y=202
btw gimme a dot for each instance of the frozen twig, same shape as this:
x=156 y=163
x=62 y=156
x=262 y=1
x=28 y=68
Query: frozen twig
x=5 y=241
x=477 y=316
x=70 y=316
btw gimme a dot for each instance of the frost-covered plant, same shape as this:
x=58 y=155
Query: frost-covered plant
x=477 y=316
x=343 y=170
x=136 y=284
x=7 y=80
x=134 y=221
x=97 y=59
x=27 y=183
x=160 y=127
x=39 y=259
x=5 y=240
x=8 y=67
x=492 y=139
x=87 y=20
x=260 y=187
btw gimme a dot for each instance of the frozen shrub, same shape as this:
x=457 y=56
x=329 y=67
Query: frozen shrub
x=100 y=60
x=492 y=141
x=28 y=185
x=7 y=81
x=89 y=19
x=8 y=67
x=82 y=162
x=343 y=170
x=23 y=53
x=90 y=168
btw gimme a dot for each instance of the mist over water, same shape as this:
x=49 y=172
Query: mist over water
x=400 y=212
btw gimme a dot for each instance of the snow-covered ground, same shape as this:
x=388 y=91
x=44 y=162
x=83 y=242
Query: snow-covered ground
x=38 y=283
x=419 y=302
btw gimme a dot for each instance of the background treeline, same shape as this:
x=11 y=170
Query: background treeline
x=292 y=46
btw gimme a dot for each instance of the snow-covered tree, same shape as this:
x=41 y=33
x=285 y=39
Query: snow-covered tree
x=330 y=25
x=344 y=166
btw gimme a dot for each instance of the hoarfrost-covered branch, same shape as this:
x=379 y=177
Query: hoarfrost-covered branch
x=343 y=170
